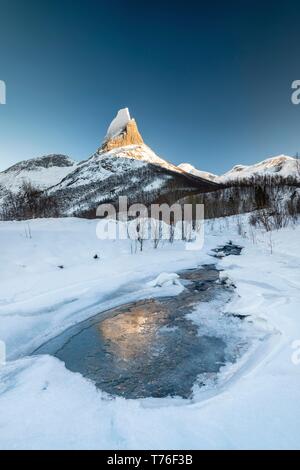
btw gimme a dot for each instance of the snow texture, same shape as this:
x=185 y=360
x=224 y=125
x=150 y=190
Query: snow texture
x=43 y=405
x=281 y=165
x=118 y=124
x=42 y=172
x=188 y=168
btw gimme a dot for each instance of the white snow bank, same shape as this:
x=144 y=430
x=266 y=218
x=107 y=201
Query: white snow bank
x=225 y=279
x=43 y=405
x=38 y=299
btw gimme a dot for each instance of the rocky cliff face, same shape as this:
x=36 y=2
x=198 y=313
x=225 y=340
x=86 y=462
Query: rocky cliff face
x=128 y=136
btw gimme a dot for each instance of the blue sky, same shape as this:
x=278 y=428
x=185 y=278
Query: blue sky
x=208 y=83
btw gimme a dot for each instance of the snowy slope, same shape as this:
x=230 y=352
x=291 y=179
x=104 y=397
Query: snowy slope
x=192 y=170
x=257 y=407
x=133 y=171
x=281 y=165
x=42 y=172
x=120 y=172
x=120 y=160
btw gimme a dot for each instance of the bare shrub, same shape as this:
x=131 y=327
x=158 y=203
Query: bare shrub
x=269 y=220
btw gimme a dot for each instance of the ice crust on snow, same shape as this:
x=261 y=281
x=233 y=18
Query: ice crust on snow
x=118 y=124
x=165 y=279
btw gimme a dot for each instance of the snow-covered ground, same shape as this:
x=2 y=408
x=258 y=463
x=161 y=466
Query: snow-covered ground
x=43 y=405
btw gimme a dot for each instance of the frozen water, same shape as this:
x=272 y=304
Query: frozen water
x=151 y=348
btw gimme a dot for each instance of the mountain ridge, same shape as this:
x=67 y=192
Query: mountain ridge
x=281 y=165
x=124 y=165
x=42 y=172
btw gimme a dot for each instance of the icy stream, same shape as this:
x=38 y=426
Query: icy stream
x=153 y=347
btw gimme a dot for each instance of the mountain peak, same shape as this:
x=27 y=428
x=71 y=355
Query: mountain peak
x=118 y=124
x=122 y=131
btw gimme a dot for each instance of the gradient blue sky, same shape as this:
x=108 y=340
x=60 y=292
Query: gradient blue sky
x=208 y=82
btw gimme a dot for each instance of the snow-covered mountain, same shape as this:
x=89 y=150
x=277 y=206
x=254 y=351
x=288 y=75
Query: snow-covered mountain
x=123 y=165
x=282 y=165
x=124 y=139
x=42 y=172
x=193 y=171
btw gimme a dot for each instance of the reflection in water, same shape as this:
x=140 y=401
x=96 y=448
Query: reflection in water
x=147 y=348
x=129 y=333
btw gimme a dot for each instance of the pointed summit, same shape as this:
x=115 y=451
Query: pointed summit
x=122 y=131
x=118 y=124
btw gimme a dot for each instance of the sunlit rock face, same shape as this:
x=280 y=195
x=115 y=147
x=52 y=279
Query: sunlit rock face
x=128 y=136
x=124 y=166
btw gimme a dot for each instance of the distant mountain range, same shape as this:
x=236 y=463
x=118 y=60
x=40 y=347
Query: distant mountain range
x=125 y=165
x=282 y=165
